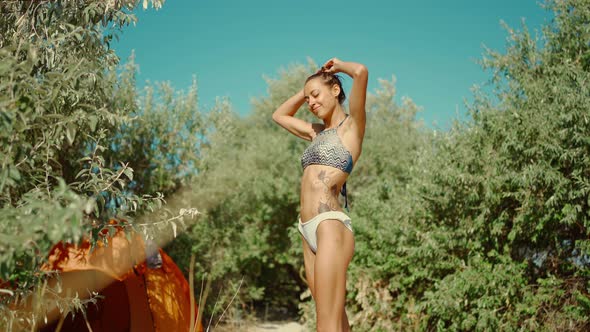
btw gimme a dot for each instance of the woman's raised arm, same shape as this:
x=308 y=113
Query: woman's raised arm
x=358 y=93
x=284 y=116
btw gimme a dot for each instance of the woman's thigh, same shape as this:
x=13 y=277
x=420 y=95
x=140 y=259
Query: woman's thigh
x=309 y=262
x=336 y=241
x=335 y=250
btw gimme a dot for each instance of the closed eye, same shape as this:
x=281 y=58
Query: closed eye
x=313 y=93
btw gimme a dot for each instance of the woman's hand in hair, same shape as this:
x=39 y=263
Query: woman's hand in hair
x=331 y=66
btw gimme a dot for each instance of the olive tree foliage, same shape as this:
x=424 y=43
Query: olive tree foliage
x=248 y=190
x=248 y=193
x=533 y=146
x=481 y=228
x=533 y=203
x=79 y=147
x=491 y=231
x=524 y=185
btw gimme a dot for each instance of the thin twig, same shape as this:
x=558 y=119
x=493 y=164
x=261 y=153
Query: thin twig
x=213 y=312
x=46 y=169
x=118 y=176
x=21 y=162
x=192 y=292
x=61 y=321
x=7 y=291
x=87 y=324
x=205 y=294
x=230 y=302
x=200 y=298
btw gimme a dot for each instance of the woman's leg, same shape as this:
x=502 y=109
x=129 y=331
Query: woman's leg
x=335 y=250
x=309 y=262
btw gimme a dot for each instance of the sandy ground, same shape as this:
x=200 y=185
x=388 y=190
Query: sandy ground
x=278 y=326
x=265 y=327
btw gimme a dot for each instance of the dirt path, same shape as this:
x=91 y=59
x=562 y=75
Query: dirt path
x=269 y=327
x=277 y=326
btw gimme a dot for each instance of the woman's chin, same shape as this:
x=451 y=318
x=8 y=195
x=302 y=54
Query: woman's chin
x=321 y=115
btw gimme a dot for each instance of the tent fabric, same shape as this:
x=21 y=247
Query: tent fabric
x=135 y=298
x=115 y=256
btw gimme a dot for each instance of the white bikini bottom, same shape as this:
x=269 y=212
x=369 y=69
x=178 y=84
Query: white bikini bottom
x=308 y=229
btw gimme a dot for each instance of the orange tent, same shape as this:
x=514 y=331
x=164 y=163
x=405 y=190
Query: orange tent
x=133 y=296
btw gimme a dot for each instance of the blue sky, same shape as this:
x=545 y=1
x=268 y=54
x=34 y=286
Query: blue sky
x=431 y=47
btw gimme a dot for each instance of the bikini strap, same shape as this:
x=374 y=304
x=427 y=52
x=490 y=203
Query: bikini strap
x=341 y=122
x=343 y=192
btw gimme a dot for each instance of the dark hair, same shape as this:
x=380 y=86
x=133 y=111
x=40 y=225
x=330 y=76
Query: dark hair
x=329 y=80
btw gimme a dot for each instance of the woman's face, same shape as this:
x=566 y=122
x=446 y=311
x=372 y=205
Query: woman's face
x=321 y=99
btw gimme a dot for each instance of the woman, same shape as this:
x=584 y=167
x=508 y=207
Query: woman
x=328 y=241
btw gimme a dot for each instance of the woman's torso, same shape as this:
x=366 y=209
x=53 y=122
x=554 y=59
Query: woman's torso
x=320 y=188
x=324 y=176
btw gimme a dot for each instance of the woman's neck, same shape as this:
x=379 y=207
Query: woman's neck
x=337 y=116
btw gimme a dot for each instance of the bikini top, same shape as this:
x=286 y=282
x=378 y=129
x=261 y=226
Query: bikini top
x=327 y=149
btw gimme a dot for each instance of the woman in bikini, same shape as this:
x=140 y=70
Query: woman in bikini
x=328 y=241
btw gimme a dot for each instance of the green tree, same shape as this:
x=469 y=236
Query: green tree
x=248 y=192
x=78 y=145
x=489 y=229
x=511 y=187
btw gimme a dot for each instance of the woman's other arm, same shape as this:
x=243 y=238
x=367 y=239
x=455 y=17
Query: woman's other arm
x=285 y=117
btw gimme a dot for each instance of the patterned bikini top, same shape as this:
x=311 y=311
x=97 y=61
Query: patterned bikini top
x=327 y=149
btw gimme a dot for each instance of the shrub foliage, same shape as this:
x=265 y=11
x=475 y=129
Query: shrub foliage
x=79 y=148
x=482 y=227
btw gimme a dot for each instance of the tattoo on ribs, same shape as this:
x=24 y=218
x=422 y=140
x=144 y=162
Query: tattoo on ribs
x=324 y=208
x=328 y=201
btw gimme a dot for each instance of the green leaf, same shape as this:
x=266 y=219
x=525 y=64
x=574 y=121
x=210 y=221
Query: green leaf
x=71 y=132
x=14 y=173
x=92 y=121
x=129 y=173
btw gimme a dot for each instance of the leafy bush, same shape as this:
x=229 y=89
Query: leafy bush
x=484 y=227
x=69 y=127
